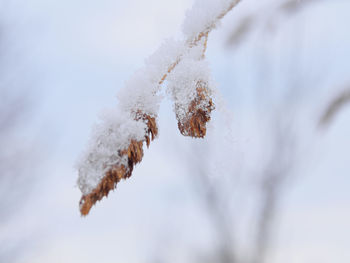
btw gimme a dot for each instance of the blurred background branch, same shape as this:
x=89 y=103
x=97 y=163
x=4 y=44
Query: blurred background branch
x=19 y=144
x=335 y=107
x=266 y=17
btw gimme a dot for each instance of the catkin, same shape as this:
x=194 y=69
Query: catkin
x=112 y=177
x=198 y=113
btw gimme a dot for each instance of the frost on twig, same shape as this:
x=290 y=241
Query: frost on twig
x=117 y=142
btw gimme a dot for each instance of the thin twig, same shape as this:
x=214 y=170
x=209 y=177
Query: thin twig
x=198 y=38
x=334 y=107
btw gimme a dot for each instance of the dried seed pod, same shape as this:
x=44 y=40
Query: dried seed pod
x=191 y=88
x=133 y=153
x=193 y=123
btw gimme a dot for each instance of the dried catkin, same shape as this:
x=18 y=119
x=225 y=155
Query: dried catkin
x=194 y=122
x=133 y=153
x=191 y=89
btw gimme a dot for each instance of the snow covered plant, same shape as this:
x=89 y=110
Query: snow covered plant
x=117 y=141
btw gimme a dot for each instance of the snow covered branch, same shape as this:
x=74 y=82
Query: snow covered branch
x=117 y=142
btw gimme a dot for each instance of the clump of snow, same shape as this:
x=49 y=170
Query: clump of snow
x=167 y=54
x=141 y=92
x=113 y=133
x=203 y=16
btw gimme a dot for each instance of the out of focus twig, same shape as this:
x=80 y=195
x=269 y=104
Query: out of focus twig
x=274 y=177
x=247 y=24
x=241 y=31
x=334 y=107
x=293 y=6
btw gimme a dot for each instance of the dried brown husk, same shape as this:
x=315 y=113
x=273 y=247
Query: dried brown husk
x=134 y=154
x=198 y=113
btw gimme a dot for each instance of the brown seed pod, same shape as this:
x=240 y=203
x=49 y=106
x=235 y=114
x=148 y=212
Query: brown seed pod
x=198 y=113
x=134 y=154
